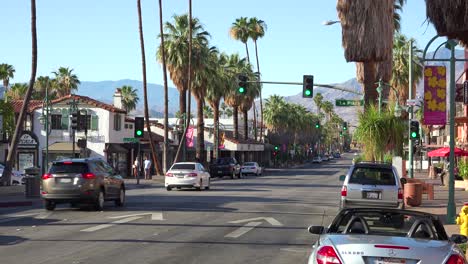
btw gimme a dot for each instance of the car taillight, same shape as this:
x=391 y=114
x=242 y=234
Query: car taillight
x=400 y=194
x=327 y=255
x=344 y=191
x=88 y=175
x=192 y=174
x=47 y=176
x=456 y=259
x=168 y=174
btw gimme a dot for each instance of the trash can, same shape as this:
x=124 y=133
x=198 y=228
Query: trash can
x=32 y=181
x=413 y=194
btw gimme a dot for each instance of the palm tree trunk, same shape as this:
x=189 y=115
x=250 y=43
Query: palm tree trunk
x=183 y=102
x=247 y=50
x=235 y=114
x=145 y=92
x=254 y=119
x=246 y=124
x=166 y=98
x=370 y=92
x=260 y=95
x=19 y=124
x=215 y=106
x=200 y=131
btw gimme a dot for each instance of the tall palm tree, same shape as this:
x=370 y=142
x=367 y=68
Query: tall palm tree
x=66 y=80
x=318 y=100
x=257 y=30
x=7 y=72
x=328 y=109
x=17 y=91
x=235 y=66
x=145 y=91
x=43 y=82
x=176 y=39
x=6 y=178
x=129 y=98
x=208 y=111
x=240 y=30
x=166 y=92
x=275 y=113
x=249 y=97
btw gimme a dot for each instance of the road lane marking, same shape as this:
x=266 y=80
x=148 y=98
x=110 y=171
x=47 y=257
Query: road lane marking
x=242 y=230
x=121 y=221
x=154 y=215
x=270 y=220
x=43 y=215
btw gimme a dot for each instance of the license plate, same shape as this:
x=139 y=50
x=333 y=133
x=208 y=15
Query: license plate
x=180 y=175
x=66 y=180
x=372 y=195
x=390 y=261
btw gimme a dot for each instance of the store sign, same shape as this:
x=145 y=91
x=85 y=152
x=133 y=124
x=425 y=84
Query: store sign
x=27 y=141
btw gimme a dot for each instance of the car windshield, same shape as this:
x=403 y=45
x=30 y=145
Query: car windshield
x=223 y=161
x=183 y=166
x=385 y=223
x=249 y=164
x=61 y=167
x=372 y=176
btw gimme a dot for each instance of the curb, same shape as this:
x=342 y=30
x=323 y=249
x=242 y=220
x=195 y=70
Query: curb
x=15 y=204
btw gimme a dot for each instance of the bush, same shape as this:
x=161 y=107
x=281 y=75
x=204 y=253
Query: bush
x=463 y=247
x=388 y=158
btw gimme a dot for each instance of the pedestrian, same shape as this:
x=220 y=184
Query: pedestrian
x=136 y=167
x=462 y=220
x=147 y=165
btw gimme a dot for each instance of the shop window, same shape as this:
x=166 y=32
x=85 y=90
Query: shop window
x=117 y=122
x=94 y=122
x=56 y=122
x=126 y=126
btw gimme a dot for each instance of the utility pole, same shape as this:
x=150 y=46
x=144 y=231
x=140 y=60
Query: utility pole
x=410 y=110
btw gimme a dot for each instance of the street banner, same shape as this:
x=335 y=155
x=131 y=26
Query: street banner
x=435 y=95
x=221 y=141
x=189 y=137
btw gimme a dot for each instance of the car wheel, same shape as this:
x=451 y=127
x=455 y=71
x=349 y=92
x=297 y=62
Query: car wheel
x=207 y=187
x=169 y=188
x=239 y=175
x=49 y=205
x=199 y=188
x=178 y=188
x=74 y=205
x=99 y=202
x=121 y=200
x=233 y=175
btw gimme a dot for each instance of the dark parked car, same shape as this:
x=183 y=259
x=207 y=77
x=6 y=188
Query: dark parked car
x=76 y=181
x=227 y=166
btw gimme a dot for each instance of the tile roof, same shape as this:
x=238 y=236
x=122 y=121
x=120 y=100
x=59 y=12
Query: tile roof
x=87 y=100
x=33 y=104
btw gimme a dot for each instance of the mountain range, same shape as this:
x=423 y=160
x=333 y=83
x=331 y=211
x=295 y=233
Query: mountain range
x=104 y=90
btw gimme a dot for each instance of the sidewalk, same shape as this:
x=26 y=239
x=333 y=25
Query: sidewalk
x=438 y=206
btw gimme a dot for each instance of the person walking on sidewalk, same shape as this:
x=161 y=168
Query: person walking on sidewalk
x=147 y=165
x=136 y=167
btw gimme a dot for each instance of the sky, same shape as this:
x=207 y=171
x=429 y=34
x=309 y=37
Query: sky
x=99 y=40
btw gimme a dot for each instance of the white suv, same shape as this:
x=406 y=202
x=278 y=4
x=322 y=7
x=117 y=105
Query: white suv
x=371 y=184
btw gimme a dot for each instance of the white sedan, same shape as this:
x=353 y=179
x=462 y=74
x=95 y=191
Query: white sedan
x=16 y=176
x=187 y=175
x=251 y=168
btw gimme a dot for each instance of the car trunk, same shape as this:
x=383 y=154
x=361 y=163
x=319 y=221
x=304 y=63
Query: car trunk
x=67 y=177
x=182 y=174
x=388 y=193
x=386 y=249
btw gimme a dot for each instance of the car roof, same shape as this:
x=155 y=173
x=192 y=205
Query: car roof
x=81 y=160
x=389 y=210
x=370 y=164
x=186 y=162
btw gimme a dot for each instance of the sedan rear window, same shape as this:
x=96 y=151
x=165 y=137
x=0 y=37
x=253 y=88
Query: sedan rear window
x=61 y=167
x=372 y=176
x=249 y=164
x=183 y=167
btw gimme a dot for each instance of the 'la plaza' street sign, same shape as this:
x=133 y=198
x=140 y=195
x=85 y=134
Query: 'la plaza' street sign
x=344 y=102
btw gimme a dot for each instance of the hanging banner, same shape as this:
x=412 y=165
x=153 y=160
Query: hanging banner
x=435 y=95
x=221 y=141
x=189 y=137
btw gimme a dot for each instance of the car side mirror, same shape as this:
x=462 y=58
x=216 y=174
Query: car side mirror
x=316 y=230
x=342 y=177
x=403 y=181
x=458 y=239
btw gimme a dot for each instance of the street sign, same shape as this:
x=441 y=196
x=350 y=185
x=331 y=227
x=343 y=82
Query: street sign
x=130 y=140
x=344 y=102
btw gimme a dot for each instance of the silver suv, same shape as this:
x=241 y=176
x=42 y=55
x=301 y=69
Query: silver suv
x=75 y=181
x=371 y=184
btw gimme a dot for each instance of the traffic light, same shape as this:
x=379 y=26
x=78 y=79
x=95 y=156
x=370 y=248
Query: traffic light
x=345 y=126
x=341 y=134
x=139 y=127
x=276 y=148
x=74 y=120
x=242 y=81
x=317 y=124
x=414 y=130
x=308 y=86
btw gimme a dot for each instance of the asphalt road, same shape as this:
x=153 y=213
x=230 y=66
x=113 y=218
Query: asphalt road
x=250 y=220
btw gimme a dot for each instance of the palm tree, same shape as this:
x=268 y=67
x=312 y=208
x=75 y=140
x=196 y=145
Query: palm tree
x=145 y=91
x=176 y=39
x=19 y=124
x=129 y=98
x=249 y=97
x=240 y=30
x=7 y=72
x=17 y=91
x=42 y=83
x=257 y=30
x=318 y=100
x=208 y=111
x=275 y=113
x=328 y=109
x=66 y=80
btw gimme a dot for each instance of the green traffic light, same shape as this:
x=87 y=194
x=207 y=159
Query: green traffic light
x=344 y=128
x=276 y=147
x=307 y=92
x=241 y=90
x=317 y=126
x=139 y=132
x=413 y=134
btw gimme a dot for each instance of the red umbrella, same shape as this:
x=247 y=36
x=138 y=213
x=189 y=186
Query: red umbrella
x=445 y=152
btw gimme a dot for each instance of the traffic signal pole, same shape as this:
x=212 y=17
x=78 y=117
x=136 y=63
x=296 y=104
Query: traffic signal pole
x=315 y=84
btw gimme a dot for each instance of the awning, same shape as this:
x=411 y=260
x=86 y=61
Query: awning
x=62 y=147
x=115 y=148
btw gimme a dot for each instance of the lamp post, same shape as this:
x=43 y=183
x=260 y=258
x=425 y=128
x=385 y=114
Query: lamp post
x=449 y=44
x=44 y=119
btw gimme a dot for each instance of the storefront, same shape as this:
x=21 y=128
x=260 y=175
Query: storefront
x=27 y=154
x=118 y=156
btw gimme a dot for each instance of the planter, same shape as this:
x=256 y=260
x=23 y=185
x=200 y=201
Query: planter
x=466 y=184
